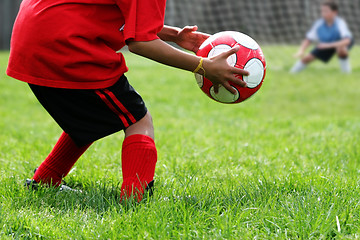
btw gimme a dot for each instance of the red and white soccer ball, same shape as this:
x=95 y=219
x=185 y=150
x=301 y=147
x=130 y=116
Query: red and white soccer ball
x=250 y=57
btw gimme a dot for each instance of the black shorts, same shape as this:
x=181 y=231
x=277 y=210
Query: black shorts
x=88 y=115
x=326 y=54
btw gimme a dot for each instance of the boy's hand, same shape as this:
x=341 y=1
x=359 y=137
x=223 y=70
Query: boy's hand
x=189 y=39
x=299 y=54
x=324 y=46
x=304 y=45
x=218 y=71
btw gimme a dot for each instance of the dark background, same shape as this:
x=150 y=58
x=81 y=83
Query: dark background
x=8 y=11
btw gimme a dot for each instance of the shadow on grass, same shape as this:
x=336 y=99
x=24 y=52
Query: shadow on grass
x=99 y=197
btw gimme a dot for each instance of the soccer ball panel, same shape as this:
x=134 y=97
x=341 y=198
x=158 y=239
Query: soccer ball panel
x=224 y=95
x=256 y=70
x=245 y=40
x=217 y=50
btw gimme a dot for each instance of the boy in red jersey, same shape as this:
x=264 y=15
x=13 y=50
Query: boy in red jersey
x=66 y=50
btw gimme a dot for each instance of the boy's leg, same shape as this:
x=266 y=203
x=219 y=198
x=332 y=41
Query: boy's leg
x=344 y=62
x=88 y=115
x=143 y=127
x=301 y=64
x=59 y=162
x=323 y=55
x=139 y=157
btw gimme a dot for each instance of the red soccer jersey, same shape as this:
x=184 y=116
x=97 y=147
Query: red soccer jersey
x=73 y=43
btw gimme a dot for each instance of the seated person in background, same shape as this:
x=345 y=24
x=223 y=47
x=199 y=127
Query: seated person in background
x=332 y=35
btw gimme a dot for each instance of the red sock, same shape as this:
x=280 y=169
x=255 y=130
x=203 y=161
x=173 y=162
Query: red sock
x=139 y=158
x=59 y=162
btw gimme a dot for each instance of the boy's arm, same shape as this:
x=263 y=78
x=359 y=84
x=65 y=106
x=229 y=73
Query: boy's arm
x=187 y=38
x=304 y=45
x=217 y=69
x=342 y=43
x=311 y=36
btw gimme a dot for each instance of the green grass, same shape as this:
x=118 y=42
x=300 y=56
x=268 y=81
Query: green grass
x=284 y=164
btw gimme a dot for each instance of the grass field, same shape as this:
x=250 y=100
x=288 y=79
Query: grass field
x=284 y=164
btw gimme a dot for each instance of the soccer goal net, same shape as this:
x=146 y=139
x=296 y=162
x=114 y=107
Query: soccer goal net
x=269 y=22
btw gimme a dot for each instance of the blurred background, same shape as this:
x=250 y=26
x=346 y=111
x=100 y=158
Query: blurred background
x=8 y=12
x=269 y=22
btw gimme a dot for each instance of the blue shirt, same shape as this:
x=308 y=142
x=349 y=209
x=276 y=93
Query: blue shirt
x=324 y=33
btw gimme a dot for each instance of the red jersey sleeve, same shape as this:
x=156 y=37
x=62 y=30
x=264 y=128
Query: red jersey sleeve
x=143 y=18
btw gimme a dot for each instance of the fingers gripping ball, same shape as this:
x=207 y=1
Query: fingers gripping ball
x=250 y=58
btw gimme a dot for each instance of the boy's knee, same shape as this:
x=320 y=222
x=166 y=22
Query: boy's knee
x=143 y=126
x=342 y=52
x=308 y=58
x=147 y=121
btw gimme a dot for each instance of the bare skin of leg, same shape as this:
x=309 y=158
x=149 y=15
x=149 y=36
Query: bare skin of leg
x=144 y=127
x=308 y=58
x=342 y=52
